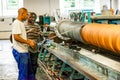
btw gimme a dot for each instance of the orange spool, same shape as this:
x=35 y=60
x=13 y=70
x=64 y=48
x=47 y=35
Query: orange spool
x=102 y=35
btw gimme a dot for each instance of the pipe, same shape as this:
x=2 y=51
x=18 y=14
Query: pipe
x=102 y=35
x=70 y=29
x=106 y=36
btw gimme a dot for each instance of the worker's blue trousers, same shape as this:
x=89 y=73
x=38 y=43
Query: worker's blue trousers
x=24 y=65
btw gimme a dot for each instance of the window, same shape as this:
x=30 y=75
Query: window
x=10 y=7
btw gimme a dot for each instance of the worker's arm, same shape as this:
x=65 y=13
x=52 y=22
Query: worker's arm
x=21 y=40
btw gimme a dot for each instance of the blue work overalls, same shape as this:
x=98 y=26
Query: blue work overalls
x=24 y=65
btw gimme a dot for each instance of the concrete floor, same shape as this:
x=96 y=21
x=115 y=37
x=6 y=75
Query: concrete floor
x=8 y=67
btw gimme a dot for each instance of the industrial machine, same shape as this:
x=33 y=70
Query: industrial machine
x=107 y=19
x=83 y=52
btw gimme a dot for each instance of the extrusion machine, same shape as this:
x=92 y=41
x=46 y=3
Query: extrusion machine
x=92 y=50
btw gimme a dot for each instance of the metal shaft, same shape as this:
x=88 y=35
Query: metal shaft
x=106 y=36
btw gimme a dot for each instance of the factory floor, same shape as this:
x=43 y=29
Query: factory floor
x=8 y=66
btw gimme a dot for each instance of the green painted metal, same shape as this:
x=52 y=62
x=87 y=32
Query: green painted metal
x=55 y=63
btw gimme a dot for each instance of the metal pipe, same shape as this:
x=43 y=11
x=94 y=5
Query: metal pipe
x=106 y=36
x=70 y=29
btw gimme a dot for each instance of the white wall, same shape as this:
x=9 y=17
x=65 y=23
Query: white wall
x=119 y=4
x=0 y=8
x=5 y=28
x=41 y=7
x=47 y=6
x=115 y=3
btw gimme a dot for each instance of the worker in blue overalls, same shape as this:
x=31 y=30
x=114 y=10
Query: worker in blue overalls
x=20 y=46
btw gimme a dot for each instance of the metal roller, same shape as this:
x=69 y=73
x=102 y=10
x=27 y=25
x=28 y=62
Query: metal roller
x=69 y=29
x=106 y=36
x=102 y=35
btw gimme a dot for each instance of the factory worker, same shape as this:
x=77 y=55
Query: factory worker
x=20 y=46
x=33 y=32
